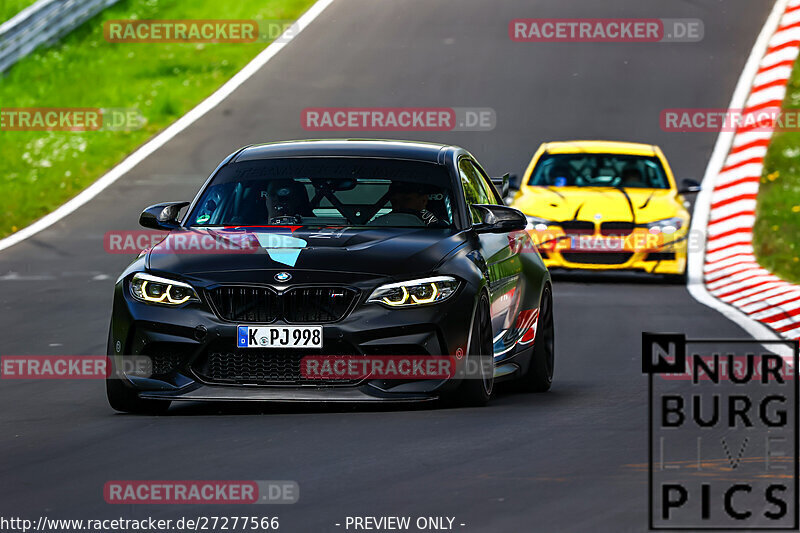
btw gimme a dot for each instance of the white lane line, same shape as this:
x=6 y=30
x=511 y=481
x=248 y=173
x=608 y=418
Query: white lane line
x=165 y=136
x=696 y=286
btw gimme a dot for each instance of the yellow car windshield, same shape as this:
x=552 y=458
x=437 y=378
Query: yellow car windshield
x=599 y=170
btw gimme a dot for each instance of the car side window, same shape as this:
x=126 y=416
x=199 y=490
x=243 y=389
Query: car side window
x=490 y=189
x=474 y=190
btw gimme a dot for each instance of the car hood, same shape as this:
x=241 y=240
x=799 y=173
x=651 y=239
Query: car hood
x=601 y=203
x=232 y=253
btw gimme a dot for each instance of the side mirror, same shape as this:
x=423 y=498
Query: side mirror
x=499 y=219
x=689 y=186
x=502 y=184
x=162 y=216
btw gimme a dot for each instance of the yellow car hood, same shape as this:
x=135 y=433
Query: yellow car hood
x=599 y=203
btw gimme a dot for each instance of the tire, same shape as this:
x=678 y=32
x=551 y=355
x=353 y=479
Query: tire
x=125 y=399
x=539 y=377
x=474 y=392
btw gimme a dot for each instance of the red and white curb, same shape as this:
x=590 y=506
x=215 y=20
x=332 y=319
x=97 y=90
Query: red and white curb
x=729 y=268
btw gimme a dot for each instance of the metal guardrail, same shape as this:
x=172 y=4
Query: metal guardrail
x=43 y=22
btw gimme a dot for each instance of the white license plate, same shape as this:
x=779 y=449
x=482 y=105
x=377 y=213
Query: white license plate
x=279 y=337
x=598 y=244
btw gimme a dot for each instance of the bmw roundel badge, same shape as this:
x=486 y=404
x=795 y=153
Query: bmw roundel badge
x=283 y=276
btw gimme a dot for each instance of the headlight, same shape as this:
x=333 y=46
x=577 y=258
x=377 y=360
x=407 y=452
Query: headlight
x=540 y=224
x=416 y=292
x=155 y=290
x=668 y=226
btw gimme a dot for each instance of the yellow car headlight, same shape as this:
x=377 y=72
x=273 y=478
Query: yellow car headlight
x=540 y=224
x=667 y=226
x=161 y=291
x=415 y=292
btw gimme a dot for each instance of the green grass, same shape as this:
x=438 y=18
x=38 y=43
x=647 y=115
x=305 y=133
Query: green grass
x=41 y=170
x=9 y=8
x=776 y=232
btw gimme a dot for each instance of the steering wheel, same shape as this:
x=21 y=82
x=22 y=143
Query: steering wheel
x=401 y=219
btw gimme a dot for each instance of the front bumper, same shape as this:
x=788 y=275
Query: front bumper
x=661 y=262
x=634 y=252
x=181 y=341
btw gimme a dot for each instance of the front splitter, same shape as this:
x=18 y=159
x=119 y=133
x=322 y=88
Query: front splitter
x=214 y=393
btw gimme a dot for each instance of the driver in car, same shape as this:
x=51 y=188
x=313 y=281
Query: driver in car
x=412 y=199
x=631 y=177
x=287 y=202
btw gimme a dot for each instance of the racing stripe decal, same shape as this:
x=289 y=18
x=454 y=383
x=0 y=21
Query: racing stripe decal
x=647 y=202
x=630 y=203
x=283 y=249
x=523 y=332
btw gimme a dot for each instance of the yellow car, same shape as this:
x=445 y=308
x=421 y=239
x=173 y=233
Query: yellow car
x=606 y=205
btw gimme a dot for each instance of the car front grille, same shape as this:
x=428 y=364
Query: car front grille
x=619 y=229
x=661 y=256
x=164 y=364
x=316 y=305
x=313 y=305
x=577 y=227
x=601 y=258
x=262 y=366
x=166 y=357
x=246 y=304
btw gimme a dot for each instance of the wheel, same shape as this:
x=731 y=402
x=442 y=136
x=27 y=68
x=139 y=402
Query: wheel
x=474 y=391
x=540 y=373
x=125 y=399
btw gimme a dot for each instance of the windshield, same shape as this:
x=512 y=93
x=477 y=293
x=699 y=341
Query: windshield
x=327 y=192
x=599 y=170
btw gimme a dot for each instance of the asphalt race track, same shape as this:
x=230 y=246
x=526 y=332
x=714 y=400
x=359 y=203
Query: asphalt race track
x=568 y=460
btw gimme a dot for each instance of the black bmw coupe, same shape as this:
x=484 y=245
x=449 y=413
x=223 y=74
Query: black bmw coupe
x=352 y=250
